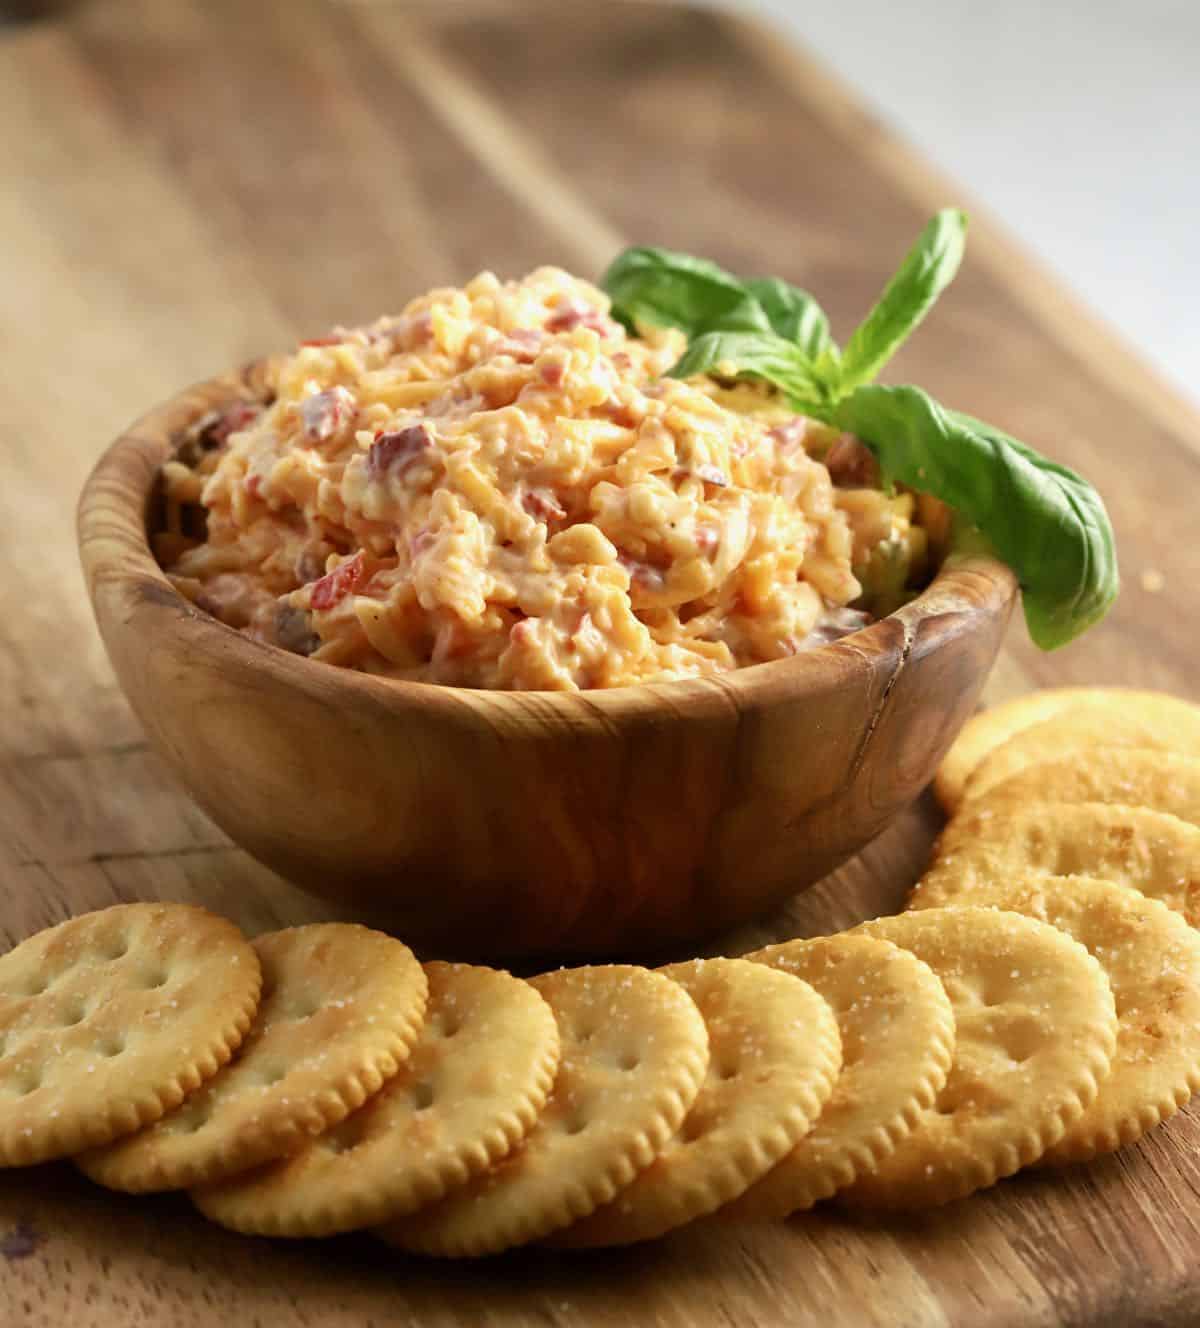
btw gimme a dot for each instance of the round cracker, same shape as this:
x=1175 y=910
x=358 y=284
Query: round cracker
x=1074 y=731
x=634 y=1054
x=897 y=1030
x=1152 y=852
x=110 y=1019
x=774 y=1055
x=1035 y=1033
x=990 y=728
x=1151 y=958
x=341 y=1007
x=472 y=1088
x=1120 y=776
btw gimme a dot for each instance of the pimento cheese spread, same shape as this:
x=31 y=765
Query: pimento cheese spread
x=499 y=488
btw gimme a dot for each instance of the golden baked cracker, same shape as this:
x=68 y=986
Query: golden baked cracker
x=897 y=1028
x=477 y=1078
x=1151 y=958
x=1078 y=731
x=988 y=729
x=1152 y=852
x=774 y=1054
x=341 y=1007
x=110 y=1019
x=634 y=1053
x=1121 y=776
x=1035 y=1033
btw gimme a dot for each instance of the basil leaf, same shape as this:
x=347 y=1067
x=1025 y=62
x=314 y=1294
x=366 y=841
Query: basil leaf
x=926 y=271
x=793 y=314
x=669 y=289
x=756 y=355
x=1046 y=522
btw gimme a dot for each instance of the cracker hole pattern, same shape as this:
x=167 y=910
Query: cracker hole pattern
x=74 y=1014
x=27 y=1083
x=347 y=1136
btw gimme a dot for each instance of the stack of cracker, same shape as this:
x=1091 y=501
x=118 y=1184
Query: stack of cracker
x=1038 y=1004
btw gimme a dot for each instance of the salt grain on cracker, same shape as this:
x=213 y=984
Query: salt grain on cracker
x=1152 y=960
x=1120 y=776
x=1078 y=732
x=774 y=1055
x=1177 y=720
x=342 y=1006
x=471 y=1090
x=897 y=1030
x=1035 y=1033
x=109 y=1020
x=634 y=1054
x=1149 y=851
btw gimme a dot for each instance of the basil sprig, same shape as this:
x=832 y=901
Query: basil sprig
x=1040 y=517
x=928 y=269
x=760 y=355
x=1043 y=519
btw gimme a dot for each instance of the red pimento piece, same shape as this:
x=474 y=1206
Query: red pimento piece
x=621 y=413
x=552 y=372
x=569 y=316
x=334 y=586
x=399 y=448
x=330 y=340
x=325 y=414
x=253 y=485
x=643 y=575
x=543 y=504
x=522 y=344
x=418 y=327
x=852 y=464
x=232 y=418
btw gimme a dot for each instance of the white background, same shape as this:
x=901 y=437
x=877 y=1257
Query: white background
x=1075 y=122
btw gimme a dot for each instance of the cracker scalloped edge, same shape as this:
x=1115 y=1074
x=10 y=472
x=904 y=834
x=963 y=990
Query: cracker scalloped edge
x=506 y=1133
x=327 y=1109
x=116 y=1121
x=1013 y=1156
x=578 y=1201
x=865 y=1158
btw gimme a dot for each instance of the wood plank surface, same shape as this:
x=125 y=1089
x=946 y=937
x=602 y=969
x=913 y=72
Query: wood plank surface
x=186 y=184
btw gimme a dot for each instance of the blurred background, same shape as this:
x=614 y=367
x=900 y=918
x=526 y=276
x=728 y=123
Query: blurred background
x=1077 y=122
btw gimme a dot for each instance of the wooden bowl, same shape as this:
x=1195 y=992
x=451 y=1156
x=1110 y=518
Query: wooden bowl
x=505 y=824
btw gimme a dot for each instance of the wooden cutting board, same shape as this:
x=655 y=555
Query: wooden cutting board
x=185 y=185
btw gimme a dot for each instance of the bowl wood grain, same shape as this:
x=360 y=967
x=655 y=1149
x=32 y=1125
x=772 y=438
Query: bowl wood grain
x=505 y=824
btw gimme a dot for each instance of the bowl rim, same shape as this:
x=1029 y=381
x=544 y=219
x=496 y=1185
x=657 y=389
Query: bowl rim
x=117 y=559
